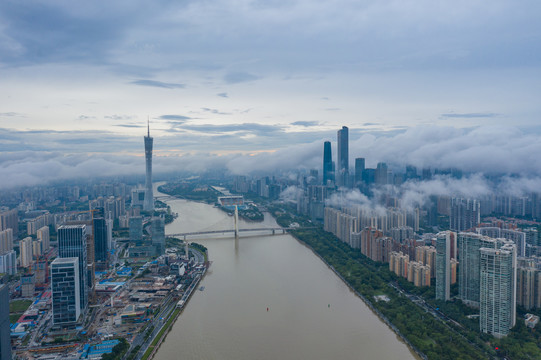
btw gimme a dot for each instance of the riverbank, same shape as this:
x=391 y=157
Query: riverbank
x=369 y=280
x=415 y=351
x=171 y=320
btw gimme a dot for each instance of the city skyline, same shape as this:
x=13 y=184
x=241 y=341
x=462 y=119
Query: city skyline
x=253 y=83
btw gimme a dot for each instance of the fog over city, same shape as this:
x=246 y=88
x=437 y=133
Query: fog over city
x=256 y=87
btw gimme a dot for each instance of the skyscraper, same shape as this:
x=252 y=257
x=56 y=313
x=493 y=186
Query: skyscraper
x=342 y=163
x=148 y=205
x=136 y=229
x=359 y=170
x=158 y=234
x=498 y=289
x=381 y=174
x=100 y=239
x=465 y=214
x=72 y=243
x=443 y=265
x=327 y=162
x=5 y=336
x=25 y=246
x=65 y=286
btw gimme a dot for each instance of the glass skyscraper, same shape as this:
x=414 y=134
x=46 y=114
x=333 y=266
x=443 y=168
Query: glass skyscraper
x=342 y=164
x=72 y=243
x=65 y=286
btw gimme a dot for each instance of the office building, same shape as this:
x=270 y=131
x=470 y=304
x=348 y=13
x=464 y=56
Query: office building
x=65 y=288
x=381 y=174
x=136 y=229
x=5 y=332
x=25 y=247
x=100 y=239
x=342 y=163
x=149 y=197
x=443 y=265
x=359 y=171
x=327 y=163
x=72 y=242
x=498 y=289
x=465 y=214
x=158 y=235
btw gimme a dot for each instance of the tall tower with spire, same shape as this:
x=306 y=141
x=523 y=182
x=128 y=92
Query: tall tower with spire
x=148 y=205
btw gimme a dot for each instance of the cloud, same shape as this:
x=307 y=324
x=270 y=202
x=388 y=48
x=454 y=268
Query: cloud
x=239 y=77
x=262 y=130
x=119 y=117
x=469 y=115
x=177 y=118
x=130 y=125
x=215 y=111
x=224 y=95
x=10 y=114
x=85 y=117
x=158 y=84
x=305 y=123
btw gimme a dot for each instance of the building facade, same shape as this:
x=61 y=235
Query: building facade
x=149 y=196
x=72 y=242
x=5 y=335
x=498 y=289
x=65 y=288
x=443 y=265
x=342 y=163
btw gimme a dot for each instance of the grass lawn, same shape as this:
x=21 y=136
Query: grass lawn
x=17 y=308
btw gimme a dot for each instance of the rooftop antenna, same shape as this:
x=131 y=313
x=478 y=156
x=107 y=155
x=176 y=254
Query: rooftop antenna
x=148 y=125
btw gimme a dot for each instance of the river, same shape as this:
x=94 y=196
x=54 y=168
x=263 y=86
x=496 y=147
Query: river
x=271 y=298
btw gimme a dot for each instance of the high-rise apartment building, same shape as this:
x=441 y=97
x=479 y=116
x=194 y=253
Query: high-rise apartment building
x=342 y=163
x=72 y=242
x=9 y=219
x=443 y=265
x=43 y=235
x=8 y=263
x=5 y=332
x=148 y=204
x=6 y=241
x=465 y=214
x=65 y=288
x=498 y=289
x=327 y=163
x=469 y=258
x=25 y=247
x=517 y=237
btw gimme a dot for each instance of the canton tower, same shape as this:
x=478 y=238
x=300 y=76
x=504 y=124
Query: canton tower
x=148 y=205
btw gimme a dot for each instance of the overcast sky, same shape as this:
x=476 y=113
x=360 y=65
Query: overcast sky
x=433 y=83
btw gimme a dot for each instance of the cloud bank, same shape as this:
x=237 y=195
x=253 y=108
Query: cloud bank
x=27 y=159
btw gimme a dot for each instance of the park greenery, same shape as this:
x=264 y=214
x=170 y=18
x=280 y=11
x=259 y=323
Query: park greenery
x=17 y=308
x=118 y=351
x=456 y=338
